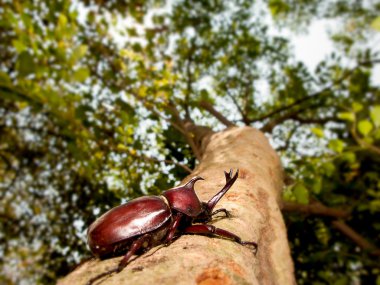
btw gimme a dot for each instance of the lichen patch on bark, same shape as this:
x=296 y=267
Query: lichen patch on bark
x=236 y=268
x=213 y=276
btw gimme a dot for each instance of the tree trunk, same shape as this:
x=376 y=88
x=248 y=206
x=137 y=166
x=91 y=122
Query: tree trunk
x=254 y=203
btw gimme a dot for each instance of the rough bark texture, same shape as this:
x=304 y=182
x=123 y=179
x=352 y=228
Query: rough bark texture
x=254 y=203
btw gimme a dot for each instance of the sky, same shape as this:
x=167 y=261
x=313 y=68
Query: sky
x=313 y=47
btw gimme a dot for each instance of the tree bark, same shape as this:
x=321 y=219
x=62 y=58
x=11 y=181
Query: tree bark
x=254 y=202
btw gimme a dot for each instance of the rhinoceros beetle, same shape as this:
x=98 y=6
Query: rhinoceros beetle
x=145 y=222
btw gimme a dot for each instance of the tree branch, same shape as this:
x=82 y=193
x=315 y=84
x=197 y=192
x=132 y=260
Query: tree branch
x=150 y=158
x=315 y=208
x=306 y=98
x=177 y=122
x=210 y=108
x=287 y=142
x=189 y=81
x=242 y=113
x=367 y=62
x=363 y=143
x=268 y=127
x=318 y=208
x=182 y=128
x=346 y=75
x=356 y=237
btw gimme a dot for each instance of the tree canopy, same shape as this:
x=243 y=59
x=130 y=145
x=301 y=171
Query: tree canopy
x=98 y=100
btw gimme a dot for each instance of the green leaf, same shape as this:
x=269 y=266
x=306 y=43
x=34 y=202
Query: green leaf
x=81 y=74
x=336 y=145
x=376 y=24
x=301 y=193
x=374 y=206
x=342 y=281
x=4 y=78
x=317 y=185
x=329 y=168
x=288 y=195
x=62 y=20
x=357 y=107
x=378 y=280
x=322 y=232
x=78 y=53
x=365 y=127
x=349 y=157
x=375 y=115
x=318 y=132
x=278 y=7
x=19 y=45
x=25 y=64
x=376 y=134
x=348 y=116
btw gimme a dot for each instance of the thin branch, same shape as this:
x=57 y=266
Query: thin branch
x=356 y=237
x=316 y=94
x=306 y=98
x=295 y=116
x=373 y=61
x=7 y=90
x=149 y=158
x=318 y=208
x=315 y=208
x=243 y=115
x=320 y=121
x=200 y=134
x=268 y=127
x=183 y=130
x=177 y=122
x=289 y=138
x=189 y=81
x=363 y=143
x=210 y=108
x=7 y=161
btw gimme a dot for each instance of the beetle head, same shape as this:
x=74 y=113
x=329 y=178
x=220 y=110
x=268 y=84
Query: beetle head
x=183 y=198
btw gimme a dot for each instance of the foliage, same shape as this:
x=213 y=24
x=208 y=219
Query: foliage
x=96 y=98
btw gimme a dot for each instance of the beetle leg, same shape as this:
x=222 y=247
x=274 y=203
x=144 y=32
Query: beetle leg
x=136 y=245
x=173 y=228
x=225 y=211
x=212 y=230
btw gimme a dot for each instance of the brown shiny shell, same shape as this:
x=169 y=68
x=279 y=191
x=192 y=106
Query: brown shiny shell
x=137 y=217
x=183 y=198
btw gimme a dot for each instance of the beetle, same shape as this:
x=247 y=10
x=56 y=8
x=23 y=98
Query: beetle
x=148 y=221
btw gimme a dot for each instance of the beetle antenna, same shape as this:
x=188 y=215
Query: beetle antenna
x=229 y=182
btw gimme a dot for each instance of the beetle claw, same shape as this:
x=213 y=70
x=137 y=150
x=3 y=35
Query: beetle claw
x=251 y=243
x=225 y=211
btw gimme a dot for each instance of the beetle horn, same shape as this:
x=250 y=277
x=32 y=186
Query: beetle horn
x=190 y=184
x=229 y=182
x=229 y=175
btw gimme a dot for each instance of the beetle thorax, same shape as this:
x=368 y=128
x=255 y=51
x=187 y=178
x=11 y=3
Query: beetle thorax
x=183 y=200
